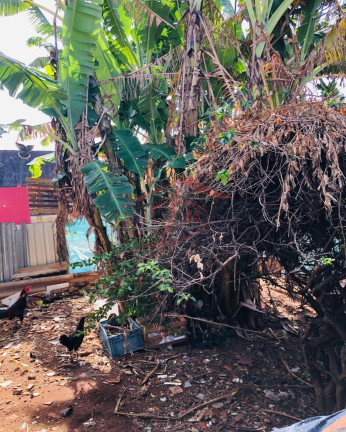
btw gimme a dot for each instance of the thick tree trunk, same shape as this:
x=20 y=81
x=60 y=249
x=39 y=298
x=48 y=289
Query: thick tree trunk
x=191 y=74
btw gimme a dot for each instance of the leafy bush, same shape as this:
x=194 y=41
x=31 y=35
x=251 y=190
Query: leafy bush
x=131 y=278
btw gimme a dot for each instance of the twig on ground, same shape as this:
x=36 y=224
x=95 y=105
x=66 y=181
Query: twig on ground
x=179 y=416
x=222 y=324
x=174 y=356
x=119 y=400
x=282 y=414
x=196 y=377
x=204 y=404
x=144 y=415
x=294 y=375
x=151 y=372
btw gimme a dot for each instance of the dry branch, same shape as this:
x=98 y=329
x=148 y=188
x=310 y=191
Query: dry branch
x=181 y=415
x=294 y=375
x=151 y=372
x=282 y=414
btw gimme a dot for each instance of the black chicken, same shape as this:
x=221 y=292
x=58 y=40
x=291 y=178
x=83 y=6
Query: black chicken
x=17 y=309
x=75 y=339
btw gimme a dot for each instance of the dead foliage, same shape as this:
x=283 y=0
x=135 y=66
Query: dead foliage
x=273 y=191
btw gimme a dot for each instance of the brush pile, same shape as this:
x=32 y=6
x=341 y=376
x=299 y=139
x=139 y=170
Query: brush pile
x=270 y=190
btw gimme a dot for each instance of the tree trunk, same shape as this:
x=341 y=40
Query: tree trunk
x=192 y=74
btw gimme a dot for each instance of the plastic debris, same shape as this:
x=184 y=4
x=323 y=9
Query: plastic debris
x=67 y=412
x=176 y=390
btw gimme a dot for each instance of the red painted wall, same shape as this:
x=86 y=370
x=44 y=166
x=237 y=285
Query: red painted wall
x=14 y=205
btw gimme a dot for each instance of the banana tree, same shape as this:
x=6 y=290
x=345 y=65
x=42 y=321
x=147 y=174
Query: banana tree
x=140 y=52
x=291 y=44
x=65 y=98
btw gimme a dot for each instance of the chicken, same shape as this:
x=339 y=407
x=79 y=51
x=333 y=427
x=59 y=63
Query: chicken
x=75 y=339
x=17 y=309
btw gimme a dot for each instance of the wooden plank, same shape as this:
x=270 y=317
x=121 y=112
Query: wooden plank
x=57 y=266
x=39 y=284
x=45 y=211
x=44 y=192
x=40 y=244
x=18 y=242
x=14 y=264
x=25 y=244
x=6 y=250
x=42 y=197
x=40 y=187
x=43 y=206
x=32 y=261
x=2 y=276
x=49 y=242
x=56 y=258
x=43 y=200
x=39 y=203
x=29 y=180
x=44 y=270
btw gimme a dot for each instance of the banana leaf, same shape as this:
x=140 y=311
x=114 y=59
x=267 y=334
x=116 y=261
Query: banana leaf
x=81 y=27
x=34 y=88
x=128 y=148
x=112 y=190
x=12 y=7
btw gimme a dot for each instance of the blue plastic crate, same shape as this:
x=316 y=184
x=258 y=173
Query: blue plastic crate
x=117 y=345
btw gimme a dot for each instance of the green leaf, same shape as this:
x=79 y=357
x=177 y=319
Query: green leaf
x=156 y=151
x=111 y=188
x=178 y=162
x=40 y=62
x=81 y=28
x=35 y=41
x=306 y=31
x=147 y=104
x=40 y=22
x=119 y=24
x=35 y=164
x=274 y=19
x=106 y=69
x=150 y=33
x=12 y=7
x=239 y=66
x=34 y=88
x=128 y=148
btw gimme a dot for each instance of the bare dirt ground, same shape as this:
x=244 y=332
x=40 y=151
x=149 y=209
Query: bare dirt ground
x=255 y=390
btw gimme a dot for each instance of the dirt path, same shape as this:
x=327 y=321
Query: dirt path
x=34 y=391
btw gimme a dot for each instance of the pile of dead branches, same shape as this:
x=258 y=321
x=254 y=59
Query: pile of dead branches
x=270 y=188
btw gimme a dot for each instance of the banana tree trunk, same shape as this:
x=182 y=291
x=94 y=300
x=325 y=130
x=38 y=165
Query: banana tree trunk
x=192 y=72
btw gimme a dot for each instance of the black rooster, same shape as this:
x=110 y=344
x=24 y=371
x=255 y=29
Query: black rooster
x=17 y=309
x=75 y=339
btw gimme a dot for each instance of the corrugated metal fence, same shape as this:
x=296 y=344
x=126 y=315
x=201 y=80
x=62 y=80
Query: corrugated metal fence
x=26 y=245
